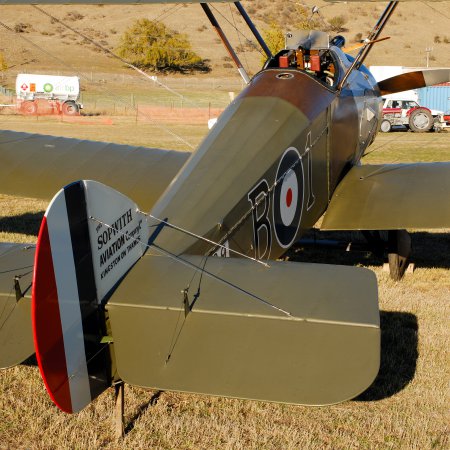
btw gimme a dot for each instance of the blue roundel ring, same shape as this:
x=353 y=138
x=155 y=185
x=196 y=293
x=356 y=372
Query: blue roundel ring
x=288 y=197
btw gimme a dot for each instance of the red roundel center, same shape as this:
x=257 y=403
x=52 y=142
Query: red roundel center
x=289 y=197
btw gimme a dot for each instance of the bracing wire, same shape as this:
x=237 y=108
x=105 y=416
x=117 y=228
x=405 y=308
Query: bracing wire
x=185 y=262
x=436 y=10
x=238 y=36
x=271 y=188
x=202 y=238
x=248 y=40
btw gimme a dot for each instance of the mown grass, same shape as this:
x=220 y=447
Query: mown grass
x=120 y=129
x=406 y=407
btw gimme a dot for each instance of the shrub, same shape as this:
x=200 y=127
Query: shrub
x=73 y=15
x=150 y=44
x=3 y=65
x=337 y=23
x=23 y=27
x=358 y=37
x=437 y=39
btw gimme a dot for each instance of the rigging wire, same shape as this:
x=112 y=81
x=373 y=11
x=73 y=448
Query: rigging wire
x=191 y=265
x=202 y=238
x=271 y=188
x=436 y=10
x=238 y=36
x=187 y=308
x=382 y=145
x=248 y=40
x=115 y=55
x=168 y=11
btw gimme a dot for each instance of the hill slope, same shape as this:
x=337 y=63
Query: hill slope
x=46 y=46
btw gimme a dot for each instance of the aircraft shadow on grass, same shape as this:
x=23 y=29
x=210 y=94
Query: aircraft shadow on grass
x=399 y=331
x=350 y=248
x=27 y=223
x=399 y=355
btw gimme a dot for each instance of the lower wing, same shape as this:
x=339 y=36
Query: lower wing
x=391 y=197
x=16 y=268
x=34 y=165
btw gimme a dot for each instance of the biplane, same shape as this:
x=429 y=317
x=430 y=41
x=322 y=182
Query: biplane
x=159 y=269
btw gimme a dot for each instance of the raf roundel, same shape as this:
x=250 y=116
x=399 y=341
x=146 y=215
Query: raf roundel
x=288 y=197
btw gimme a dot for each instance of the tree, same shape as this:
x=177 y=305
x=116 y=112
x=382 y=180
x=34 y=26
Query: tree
x=151 y=45
x=292 y=17
x=274 y=37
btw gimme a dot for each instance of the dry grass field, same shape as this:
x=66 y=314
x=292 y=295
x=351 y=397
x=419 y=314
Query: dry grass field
x=407 y=405
x=405 y=408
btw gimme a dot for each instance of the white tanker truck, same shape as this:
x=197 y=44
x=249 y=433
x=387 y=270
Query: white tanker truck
x=48 y=94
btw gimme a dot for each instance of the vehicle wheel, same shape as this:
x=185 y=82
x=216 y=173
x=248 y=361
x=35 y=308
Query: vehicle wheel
x=28 y=108
x=70 y=109
x=420 y=120
x=385 y=126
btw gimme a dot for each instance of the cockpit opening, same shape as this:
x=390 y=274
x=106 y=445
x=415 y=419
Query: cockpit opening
x=309 y=51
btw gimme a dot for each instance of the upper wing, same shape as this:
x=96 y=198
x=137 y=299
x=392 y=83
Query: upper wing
x=390 y=197
x=34 y=165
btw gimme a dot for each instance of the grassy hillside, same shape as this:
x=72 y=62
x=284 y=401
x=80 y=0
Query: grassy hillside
x=45 y=46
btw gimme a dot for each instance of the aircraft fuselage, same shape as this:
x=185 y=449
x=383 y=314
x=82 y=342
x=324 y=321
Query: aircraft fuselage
x=300 y=133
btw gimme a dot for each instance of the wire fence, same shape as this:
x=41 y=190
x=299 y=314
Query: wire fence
x=124 y=94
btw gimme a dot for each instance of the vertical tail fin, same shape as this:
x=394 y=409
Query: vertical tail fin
x=87 y=242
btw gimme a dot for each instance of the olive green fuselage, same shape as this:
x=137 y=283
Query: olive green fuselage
x=269 y=167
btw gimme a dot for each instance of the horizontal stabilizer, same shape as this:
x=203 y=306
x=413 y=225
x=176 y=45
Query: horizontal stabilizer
x=391 y=197
x=16 y=338
x=414 y=80
x=219 y=333
x=36 y=165
x=89 y=238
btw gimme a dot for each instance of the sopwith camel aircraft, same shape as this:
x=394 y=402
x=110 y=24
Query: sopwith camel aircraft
x=182 y=290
